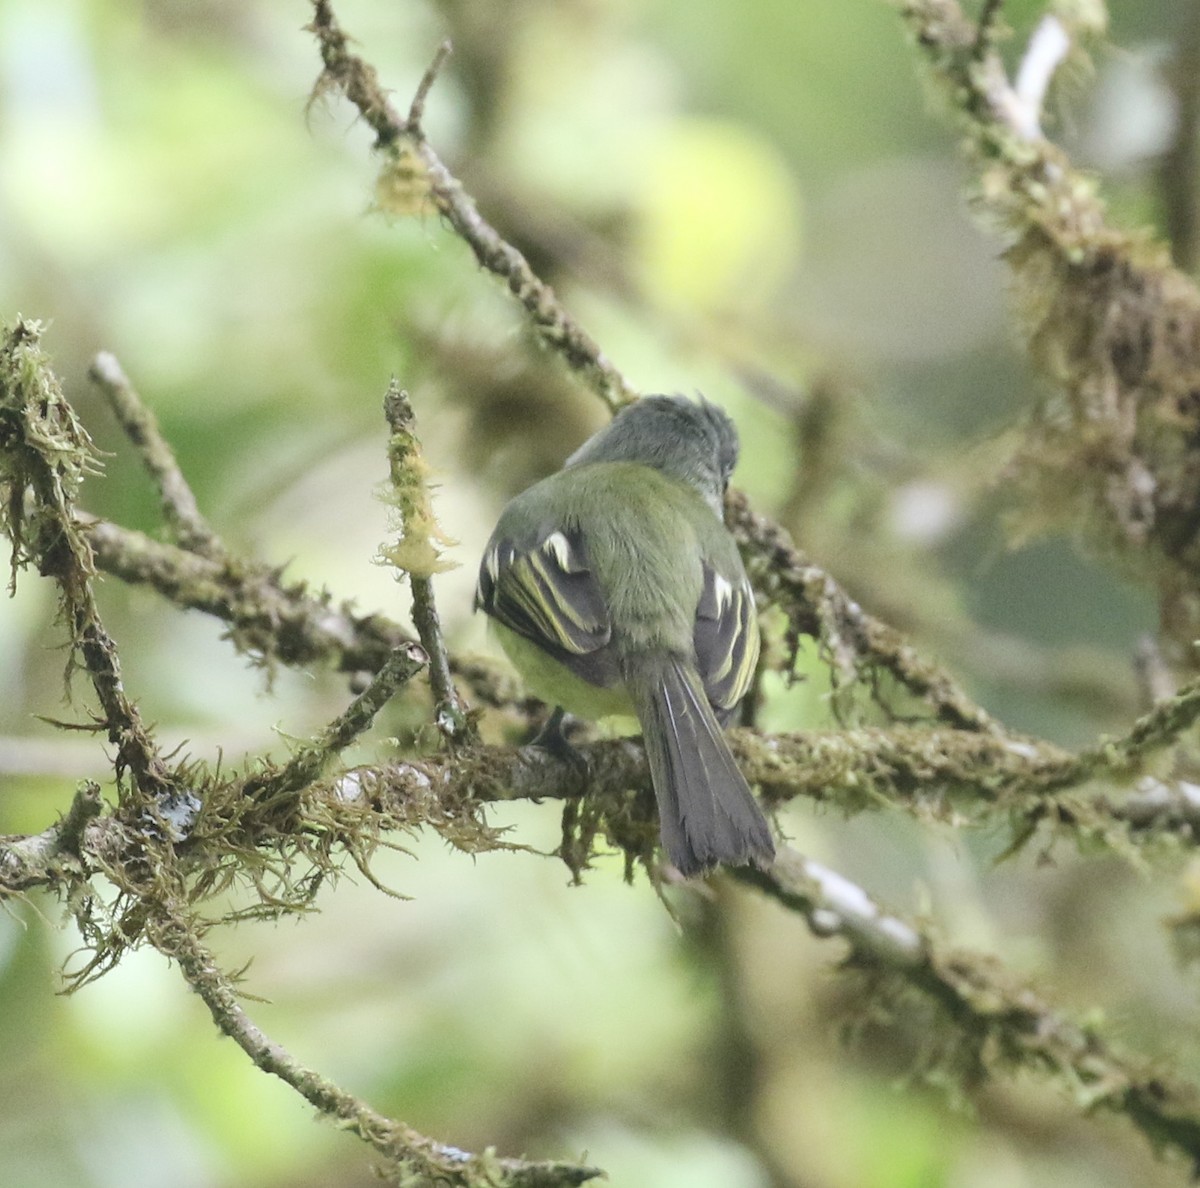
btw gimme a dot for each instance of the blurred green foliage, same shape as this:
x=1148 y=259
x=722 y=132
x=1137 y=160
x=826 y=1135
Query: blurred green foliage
x=751 y=199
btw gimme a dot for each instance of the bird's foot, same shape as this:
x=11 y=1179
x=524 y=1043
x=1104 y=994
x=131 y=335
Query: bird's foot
x=552 y=738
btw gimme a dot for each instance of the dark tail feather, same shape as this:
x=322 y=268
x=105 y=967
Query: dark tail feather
x=706 y=811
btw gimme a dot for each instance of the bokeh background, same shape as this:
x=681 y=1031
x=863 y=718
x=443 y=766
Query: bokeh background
x=754 y=200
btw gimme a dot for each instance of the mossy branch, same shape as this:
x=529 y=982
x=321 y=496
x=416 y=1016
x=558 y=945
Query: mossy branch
x=417 y=554
x=269 y=619
x=961 y=776
x=45 y=453
x=1113 y=326
x=986 y=1021
x=956 y=775
x=272 y=620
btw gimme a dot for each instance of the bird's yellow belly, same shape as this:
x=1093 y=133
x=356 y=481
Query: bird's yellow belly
x=556 y=684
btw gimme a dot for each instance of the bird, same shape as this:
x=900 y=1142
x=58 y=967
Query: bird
x=615 y=588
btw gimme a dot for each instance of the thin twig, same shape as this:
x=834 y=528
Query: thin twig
x=179 y=505
x=417 y=554
x=450 y=712
x=311 y=762
x=348 y=73
x=422 y=1158
x=416 y=111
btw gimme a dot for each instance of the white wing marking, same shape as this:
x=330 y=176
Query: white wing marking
x=723 y=592
x=558 y=544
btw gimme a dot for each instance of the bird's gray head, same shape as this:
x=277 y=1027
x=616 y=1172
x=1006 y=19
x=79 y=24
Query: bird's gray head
x=694 y=443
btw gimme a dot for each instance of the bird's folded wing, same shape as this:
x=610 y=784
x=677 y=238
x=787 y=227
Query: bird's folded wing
x=726 y=639
x=547 y=594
